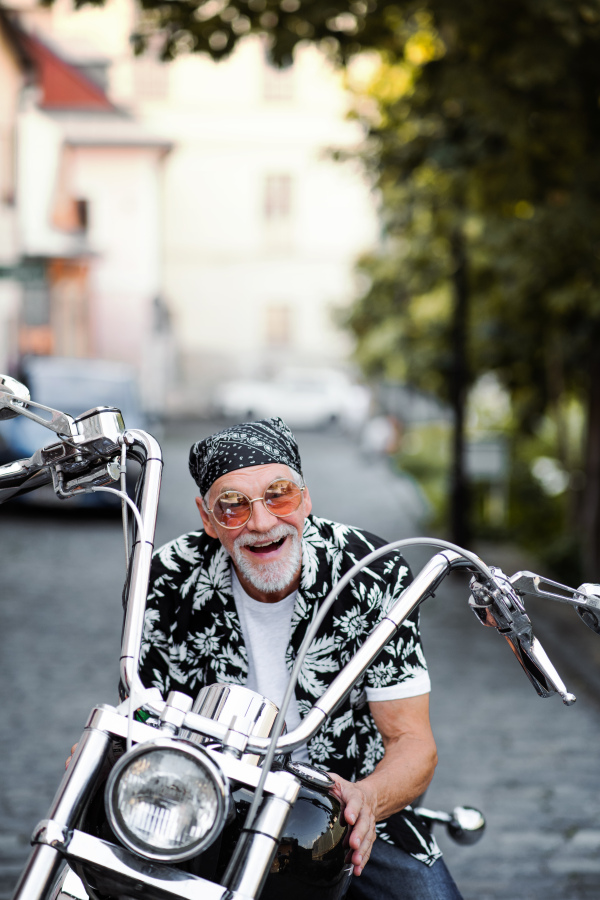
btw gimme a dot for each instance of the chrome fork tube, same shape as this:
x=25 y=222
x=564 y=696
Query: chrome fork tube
x=255 y=850
x=147 y=450
x=80 y=778
x=68 y=804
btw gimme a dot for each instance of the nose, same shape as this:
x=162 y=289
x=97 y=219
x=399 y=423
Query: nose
x=261 y=519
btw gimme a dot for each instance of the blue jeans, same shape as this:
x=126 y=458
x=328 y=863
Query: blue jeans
x=391 y=874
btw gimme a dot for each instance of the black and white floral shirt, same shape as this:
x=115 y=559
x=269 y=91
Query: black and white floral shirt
x=193 y=637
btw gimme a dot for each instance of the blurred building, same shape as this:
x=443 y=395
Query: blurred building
x=258 y=227
x=81 y=215
x=262 y=227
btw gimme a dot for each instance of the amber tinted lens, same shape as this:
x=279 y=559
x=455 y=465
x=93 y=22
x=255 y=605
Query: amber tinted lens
x=232 y=509
x=282 y=498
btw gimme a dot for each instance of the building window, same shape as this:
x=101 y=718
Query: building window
x=278 y=198
x=82 y=214
x=71 y=214
x=278 y=84
x=279 y=325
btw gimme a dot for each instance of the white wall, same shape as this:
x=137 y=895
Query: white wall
x=224 y=266
x=122 y=189
x=40 y=150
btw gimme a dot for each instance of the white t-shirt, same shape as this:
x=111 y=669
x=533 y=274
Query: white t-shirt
x=266 y=628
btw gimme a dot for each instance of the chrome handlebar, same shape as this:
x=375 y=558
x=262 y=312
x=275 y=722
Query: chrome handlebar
x=500 y=605
x=87 y=456
x=82 y=457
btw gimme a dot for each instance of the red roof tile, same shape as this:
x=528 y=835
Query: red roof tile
x=63 y=86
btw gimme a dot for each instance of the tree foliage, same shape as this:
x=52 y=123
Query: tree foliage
x=495 y=130
x=485 y=123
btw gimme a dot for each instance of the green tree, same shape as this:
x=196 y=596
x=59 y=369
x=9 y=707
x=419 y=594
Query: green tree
x=412 y=322
x=484 y=142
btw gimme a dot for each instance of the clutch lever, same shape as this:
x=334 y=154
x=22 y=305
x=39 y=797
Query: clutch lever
x=585 y=600
x=498 y=605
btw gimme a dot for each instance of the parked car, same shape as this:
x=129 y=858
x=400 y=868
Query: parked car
x=72 y=386
x=304 y=398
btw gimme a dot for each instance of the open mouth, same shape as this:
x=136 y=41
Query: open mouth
x=269 y=547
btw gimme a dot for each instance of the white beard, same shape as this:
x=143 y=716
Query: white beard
x=274 y=575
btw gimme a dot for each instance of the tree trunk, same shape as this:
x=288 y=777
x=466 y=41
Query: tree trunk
x=459 y=382
x=590 y=507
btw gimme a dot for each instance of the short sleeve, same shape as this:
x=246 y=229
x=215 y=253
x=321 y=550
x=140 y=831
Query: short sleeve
x=412 y=687
x=167 y=613
x=400 y=670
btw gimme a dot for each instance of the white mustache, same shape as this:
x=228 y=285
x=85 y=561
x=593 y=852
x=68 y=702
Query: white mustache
x=274 y=534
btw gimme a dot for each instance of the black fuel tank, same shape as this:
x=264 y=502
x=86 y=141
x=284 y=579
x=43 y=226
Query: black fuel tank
x=311 y=857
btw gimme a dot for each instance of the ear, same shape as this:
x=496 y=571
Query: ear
x=306 y=501
x=206 y=520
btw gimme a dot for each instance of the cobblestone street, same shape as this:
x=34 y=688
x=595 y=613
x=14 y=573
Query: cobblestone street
x=528 y=763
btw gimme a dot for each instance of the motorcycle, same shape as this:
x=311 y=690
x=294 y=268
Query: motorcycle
x=197 y=797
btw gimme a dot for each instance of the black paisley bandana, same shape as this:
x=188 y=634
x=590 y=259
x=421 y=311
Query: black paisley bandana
x=241 y=446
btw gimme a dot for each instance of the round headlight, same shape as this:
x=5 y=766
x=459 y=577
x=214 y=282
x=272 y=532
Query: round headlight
x=166 y=801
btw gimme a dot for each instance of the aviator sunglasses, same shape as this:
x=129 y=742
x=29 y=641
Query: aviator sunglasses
x=281 y=498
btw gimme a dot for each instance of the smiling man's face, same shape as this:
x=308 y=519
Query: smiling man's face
x=266 y=551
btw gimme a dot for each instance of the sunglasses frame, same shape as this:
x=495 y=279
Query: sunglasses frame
x=255 y=500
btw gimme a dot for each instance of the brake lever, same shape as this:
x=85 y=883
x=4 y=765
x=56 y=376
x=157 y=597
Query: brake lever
x=498 y=605
x=539 y=668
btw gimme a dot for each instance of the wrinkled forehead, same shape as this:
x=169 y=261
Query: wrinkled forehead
x=251 y=480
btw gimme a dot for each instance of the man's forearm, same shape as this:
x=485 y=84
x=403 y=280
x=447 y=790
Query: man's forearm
x=404 y=772
x=401 y=776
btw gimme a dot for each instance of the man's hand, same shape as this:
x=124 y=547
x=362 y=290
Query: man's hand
x=404 y=772
x=359 y=808
x=73 y=749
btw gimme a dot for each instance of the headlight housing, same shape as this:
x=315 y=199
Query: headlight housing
x=166 y=800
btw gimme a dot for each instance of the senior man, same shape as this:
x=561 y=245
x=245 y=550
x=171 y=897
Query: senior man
x=232 y=603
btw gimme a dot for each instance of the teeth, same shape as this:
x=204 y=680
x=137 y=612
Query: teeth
x=265 y=546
